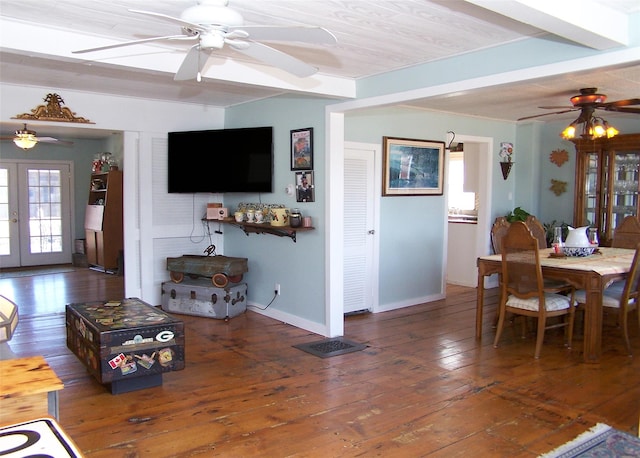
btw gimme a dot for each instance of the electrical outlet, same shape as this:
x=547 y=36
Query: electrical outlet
x=277 y=289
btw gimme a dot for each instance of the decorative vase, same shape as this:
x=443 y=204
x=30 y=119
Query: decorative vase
x=279 y=217
x=506 y=168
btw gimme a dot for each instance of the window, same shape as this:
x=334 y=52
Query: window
x=459 y=201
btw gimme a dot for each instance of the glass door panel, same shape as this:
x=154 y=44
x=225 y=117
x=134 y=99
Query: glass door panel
x=9 y=229
x=625 y=187
x=591 y=191
x=45 y=217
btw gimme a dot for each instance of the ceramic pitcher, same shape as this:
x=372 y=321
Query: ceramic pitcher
x=577 y=237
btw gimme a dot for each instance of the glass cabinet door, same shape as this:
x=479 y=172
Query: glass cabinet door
x=591 y=190
x=607 y=183
x=624 y=196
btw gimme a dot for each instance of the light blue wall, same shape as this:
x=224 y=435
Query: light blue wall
x=80 y=153
x=412 y=228
x=407 y=244
x=298 y=267
x=560 y=208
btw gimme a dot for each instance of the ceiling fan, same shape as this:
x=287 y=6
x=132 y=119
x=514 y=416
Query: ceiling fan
x=587 y=102
x=26 y=139
x=211 y=24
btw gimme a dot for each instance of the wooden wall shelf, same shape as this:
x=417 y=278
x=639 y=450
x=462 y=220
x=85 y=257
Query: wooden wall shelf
x=264 y=228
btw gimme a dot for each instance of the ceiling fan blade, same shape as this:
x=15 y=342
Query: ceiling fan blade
x=622 y=109
x=54 y=140
x=313 y=35
x=555 y=107
x=173 y=20
x=192 y=64
x=547 y=114
x=623 y=103
x=136 y=42
x=278 y=59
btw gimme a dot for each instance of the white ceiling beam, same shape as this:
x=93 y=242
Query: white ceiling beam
x=587 y=22
x=35 y=40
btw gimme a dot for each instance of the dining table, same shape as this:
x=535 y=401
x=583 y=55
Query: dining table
x=591 y=273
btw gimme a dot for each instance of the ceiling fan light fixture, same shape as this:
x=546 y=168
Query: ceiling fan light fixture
x=597 y=129
x=610 y=130
x=25 y=138
x=594 y=127
x=569 y=132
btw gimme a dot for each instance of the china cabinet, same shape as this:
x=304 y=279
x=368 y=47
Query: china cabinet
x=607 y=183
x=103 y=221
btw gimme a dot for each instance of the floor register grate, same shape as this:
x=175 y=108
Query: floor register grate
x=331 y=347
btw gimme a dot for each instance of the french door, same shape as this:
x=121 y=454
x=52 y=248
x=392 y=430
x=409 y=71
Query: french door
x=35 y=213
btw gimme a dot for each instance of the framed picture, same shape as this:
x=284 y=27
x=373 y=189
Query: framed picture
x=302 y=149
x=412 y=167
x=305 y=189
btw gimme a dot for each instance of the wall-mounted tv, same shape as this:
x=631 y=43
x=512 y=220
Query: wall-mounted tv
x=223 y=160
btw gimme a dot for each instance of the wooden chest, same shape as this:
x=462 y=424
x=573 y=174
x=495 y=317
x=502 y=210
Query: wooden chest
x=199 y=297
x=220 y=269
x=127 y=343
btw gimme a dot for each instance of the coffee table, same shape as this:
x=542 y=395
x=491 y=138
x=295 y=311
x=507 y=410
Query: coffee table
x=127 y=344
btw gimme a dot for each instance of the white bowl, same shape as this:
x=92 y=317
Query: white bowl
x=579 y=251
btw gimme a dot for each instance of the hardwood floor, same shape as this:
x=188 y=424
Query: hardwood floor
x=424 y=386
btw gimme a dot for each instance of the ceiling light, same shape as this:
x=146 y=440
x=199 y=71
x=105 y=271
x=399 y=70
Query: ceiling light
x=597 y=129
x=569 y=132
x=611 y=131
x=593 y=127
x=25 y=138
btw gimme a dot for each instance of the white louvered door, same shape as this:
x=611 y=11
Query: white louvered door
x=359 y=231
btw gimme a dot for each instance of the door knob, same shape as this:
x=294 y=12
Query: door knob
x=371 y=232
x=14 y=220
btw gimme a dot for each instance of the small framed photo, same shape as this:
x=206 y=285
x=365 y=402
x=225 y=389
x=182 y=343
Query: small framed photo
x=305 y=189
x=412 y=167
x=302 y=149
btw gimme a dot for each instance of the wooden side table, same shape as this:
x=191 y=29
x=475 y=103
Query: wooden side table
x=28 y=390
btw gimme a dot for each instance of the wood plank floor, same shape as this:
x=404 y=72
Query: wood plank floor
x=424 y=386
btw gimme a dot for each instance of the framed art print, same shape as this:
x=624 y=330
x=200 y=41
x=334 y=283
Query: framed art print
x=305 y=187
x=412 y=167
x=302 y=149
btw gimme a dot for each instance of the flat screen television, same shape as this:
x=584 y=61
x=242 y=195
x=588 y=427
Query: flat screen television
x=223 y=160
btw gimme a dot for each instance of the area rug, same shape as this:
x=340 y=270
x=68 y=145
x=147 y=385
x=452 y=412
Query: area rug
x=33 y=272
x=600 y=441
x=331 y=347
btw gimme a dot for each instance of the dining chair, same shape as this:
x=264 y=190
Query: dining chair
x=622 y=297
x=498 y=230
x=627 y=234
x=523 y=291
x=538 y=230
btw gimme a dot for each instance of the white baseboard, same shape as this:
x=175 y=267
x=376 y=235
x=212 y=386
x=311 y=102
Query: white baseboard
x=408 y=303
x=293 y=320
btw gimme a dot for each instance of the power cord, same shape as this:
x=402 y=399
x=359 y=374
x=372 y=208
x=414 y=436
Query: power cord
x=275 y=294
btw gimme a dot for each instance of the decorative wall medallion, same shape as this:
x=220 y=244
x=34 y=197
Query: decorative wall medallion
x=558 y=187
x=559 y=156
x=53 y=111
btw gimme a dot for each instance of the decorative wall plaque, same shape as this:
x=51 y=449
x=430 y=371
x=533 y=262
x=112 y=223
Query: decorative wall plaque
x=559 y=156
x=558 y=187
x=53 y=111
